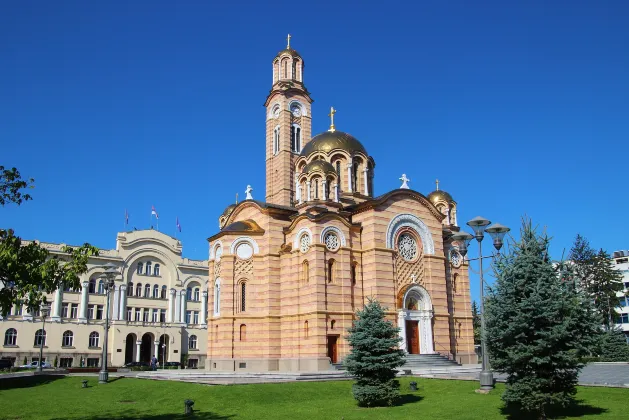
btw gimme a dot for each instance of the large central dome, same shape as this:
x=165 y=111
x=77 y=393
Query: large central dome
x=331 y=140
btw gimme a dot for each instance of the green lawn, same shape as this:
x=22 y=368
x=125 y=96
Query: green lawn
x=63 y=398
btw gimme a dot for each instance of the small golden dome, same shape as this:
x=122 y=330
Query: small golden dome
x=319 y=165
x=289 y=51
x=248 y=225
x=228 y=210
x=333 y=140
x=439 y=195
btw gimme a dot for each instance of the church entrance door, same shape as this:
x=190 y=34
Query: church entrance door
x=332 y=354
x=412 y=336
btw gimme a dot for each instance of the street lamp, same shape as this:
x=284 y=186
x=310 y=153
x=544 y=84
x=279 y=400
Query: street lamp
x=497 y=232
x=44 y=311
x=110 y=273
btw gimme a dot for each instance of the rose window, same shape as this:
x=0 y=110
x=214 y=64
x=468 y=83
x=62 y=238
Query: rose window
x=332 y=241
x=304 y=243
x=407 y=247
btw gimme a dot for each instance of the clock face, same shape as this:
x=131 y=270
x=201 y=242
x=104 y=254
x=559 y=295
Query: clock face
x=276 y=112
x=296 y=110
x=456 y=259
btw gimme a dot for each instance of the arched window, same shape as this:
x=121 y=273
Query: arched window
x=353 y=273
x=164 y=291
x=243 y=296
x=130 y=289
x=94 y=339
x=285 y=68
x=147 y=271
x=92 y=286
x=10 y=337
x=305 y=272
x=331 y=271
x=192 y=342
x=332 y=324
x=243 y=332
x=138 y=290
x=276 y=140
x=155 y=292
x=217 y=297
x=355 y=176
x=189 y=293
x=197 y=294
x=295 y=138
x=316 y=189
x=454 y=281
x=40 y=337
x=68 y=339
x=147 y=291
x=139 y=269
x=101 y=287
x=156 y=270
x=306 y=329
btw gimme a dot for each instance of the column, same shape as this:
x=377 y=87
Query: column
x=425 y=325
x=299 y=194
x=116 y=308
x=336 y=193
x=297 y=189
x=156 y=348
x=83 y=308
x=56 y=309
x=401 y=323
x=204 y=307
x=324 y=196
x=171 y=306
x=182 y=306
x=366 y=177
x=349 y=177
x=138 y=343
x=122 y=310
x=307 y=190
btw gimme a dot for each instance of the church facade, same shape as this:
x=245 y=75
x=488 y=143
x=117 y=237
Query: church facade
x=287 y=274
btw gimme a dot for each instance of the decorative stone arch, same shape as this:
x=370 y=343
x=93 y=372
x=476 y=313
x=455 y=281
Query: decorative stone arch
x=216 y=250
x=194 y=279
x=244 y=240
x=410 y=221
x=272 y=110
x=304 y=110
x=421 y=313
x=297 y=237
x=334 y=229
x=166 y=264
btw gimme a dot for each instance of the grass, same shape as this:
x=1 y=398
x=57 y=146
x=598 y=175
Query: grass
x=37 y=397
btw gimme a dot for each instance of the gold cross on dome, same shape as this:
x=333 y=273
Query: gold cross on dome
x=437 y=182
x=288 y=41
x=331 y=115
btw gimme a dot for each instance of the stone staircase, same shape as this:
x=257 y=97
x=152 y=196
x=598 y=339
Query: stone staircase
x=436 y=365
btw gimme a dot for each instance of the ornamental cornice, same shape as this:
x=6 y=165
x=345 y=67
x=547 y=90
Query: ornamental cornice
x=417 y=196
x=318 y=218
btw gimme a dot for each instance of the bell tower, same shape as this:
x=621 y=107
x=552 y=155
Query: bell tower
x=288 y=125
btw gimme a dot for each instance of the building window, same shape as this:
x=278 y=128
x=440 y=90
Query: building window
x=295 y=138
x=217 y=297
x=332 y=324
x=129 y=313
x=193 y=363
x=331 y=271
x=624 y=319
x=243 y=332
x=65 y=362
x=622 y=302
x=155 y=315
x=90 y=312
x=64 y=310
x=140 y=268
x=197 y=294
x=163 y=295
x=155 y=292
x=192 y=342
x=101 y=287
x=147 y=271
x=37 y=313
x=188 y=317
x=93 y=339
x=130 y=289
x=138 y=290
x=276 y=140
x=18 y=309
x=67 y=339
x=92 y=361
x=306 y=329
x=156 y=270
x=407 y=247
x=74 y=311
x=332 y=241
x=10 y=337
x=455 y=277
x=243 y=296
x=145 y=315
x=195 y=317
x=316 y=189
x=162 y=315
x=189 y=293
x=305 y=272
x=99 y=311
x=353 y=273
x=92 y=286
x=147 y=291
x=138 y=314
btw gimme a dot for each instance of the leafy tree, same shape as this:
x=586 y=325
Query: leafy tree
x=375 y=357
x=534 y=327
x=614 y=347
x=476 y=322
x=28 y=272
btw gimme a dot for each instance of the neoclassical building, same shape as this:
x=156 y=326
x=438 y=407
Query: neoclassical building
x=158 y=308
x=288 y=273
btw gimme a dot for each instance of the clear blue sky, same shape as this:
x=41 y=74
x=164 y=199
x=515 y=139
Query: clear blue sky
x=516 y=108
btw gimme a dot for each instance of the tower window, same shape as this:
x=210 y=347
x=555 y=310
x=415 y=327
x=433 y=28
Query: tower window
x=331 y=271
x=295 y=138
x=243 y=297
x=276 y=140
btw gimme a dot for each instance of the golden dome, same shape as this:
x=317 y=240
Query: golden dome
x=439 y=195
x=248 y=225
x=333 y=140
x=228 y=210
x=289 y=51
x=319 y=165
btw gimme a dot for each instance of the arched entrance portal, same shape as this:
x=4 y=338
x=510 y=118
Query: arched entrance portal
x=146 y=347
x=129 y=349
x=415 y=322
x=163 y=348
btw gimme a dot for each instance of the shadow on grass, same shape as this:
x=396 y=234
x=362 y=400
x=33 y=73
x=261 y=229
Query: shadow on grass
x=131 y=415
x=408 y=399
x=578 y=409
x=28 y=381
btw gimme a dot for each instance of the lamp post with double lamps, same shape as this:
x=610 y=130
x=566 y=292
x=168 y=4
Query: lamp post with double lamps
x=497 y=231
x=44 y=311
x=110 y=273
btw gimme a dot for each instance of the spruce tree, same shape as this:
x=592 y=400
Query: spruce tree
x=476 y=322
x=534 y=330
x=614 y=346
x=374 y=357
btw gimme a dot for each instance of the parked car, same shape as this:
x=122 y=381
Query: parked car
x=6 y=364
x=137 y=364
x=36 y=365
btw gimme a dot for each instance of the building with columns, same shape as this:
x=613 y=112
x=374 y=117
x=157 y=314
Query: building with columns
x=288 y=273
x=158 y=307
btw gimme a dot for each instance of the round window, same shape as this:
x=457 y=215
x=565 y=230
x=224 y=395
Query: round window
x=244 y=251
x=296 y=110
x=304 y=243
x=331 y=241
x=407 y=247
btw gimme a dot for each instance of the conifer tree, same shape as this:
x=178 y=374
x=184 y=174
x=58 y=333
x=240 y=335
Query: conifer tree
x=374 y=357
x=614 y=346
x=534 y=327
x=476 y=322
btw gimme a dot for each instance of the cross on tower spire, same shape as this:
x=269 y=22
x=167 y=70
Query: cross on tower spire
x=288 y=41
x=437 y=182
x=331 y=115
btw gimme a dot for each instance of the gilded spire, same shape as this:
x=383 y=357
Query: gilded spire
x=437 y=182
x=288 y=42
x=331 y=115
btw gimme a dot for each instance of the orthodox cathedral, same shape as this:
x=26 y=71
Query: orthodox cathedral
x=288 y=274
